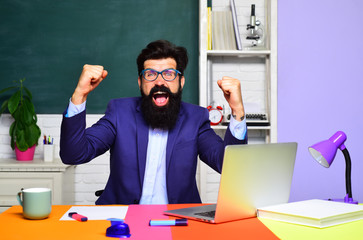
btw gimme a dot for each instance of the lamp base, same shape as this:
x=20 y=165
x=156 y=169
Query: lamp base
x=346 y=199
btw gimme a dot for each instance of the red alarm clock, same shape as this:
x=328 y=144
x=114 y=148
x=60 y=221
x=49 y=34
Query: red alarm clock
x=215 y=115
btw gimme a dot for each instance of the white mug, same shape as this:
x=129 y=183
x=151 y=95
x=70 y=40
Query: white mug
x=36 y=202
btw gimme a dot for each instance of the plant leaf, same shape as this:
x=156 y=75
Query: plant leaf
x=29 y=105
x=4 y=106
x=16 y=115
x=32 y=134
x=12 y=135
x=14 y=102
x=7 y=89
x=28 y=93
x=20 y=139
x=27 y=113
x=27 y=136
x=11 y=129
x=12 y=144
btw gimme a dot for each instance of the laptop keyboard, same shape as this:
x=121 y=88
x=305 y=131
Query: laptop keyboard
x=206 y=214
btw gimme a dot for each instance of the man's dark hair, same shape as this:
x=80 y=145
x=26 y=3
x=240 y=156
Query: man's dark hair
x=163 y=49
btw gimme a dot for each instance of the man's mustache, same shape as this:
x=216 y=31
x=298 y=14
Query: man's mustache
x=156 y=89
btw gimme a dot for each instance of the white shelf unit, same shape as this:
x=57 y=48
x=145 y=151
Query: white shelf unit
x=256 y=68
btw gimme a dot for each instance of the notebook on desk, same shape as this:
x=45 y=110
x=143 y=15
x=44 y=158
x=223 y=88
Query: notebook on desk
x=253 y=176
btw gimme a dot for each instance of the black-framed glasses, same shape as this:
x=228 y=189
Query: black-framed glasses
x=167 y=74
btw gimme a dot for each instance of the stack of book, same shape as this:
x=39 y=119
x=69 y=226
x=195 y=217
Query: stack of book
x=314 y=213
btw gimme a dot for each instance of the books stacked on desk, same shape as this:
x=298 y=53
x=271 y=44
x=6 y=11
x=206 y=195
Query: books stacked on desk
x=314 y=213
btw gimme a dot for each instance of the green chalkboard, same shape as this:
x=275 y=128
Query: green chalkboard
x=48 y=42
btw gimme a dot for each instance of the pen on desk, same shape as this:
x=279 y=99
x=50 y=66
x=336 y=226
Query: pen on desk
x=169 y=222
x=77 y=216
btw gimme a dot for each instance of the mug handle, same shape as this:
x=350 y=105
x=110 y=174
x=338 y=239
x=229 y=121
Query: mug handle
x=19 y=197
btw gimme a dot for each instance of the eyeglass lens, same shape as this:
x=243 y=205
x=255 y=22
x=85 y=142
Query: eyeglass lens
x=167 y=74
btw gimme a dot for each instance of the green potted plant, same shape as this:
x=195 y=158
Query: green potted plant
x=24 y=131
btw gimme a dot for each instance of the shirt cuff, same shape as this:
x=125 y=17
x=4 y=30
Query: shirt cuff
x=75 y=109
x=238 y=129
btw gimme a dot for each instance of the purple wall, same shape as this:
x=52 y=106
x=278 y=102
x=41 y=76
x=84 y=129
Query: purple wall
x=320 y=84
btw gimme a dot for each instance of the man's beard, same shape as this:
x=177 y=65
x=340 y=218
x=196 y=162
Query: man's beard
x=163 y=117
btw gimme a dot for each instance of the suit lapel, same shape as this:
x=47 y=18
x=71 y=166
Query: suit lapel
x=172 y=136
x=142 y=141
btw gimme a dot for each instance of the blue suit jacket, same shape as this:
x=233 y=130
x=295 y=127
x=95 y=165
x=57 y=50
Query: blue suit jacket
x=124 y=132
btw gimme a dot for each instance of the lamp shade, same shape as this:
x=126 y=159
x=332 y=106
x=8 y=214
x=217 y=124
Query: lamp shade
x=324 y=152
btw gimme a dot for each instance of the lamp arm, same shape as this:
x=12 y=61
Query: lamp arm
x=348 y=171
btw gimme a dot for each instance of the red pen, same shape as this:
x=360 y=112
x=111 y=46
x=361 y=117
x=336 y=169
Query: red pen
x=77 y=216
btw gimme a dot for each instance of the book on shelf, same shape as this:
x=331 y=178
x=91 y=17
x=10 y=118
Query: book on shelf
x=235 y=25
x=223 y=36
x=209 y=24
x=315 y=213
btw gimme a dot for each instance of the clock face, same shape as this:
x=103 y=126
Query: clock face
x=215 y=116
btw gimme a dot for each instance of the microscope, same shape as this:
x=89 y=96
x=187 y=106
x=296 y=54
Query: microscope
x=255 y=30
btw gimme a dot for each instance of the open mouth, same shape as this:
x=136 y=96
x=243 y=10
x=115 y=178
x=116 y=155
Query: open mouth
x=161 y=98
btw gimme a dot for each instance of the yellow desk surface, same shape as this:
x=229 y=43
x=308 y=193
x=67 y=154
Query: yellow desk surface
x=347 y=231
x=14 y=226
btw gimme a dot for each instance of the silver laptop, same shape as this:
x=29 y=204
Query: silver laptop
x=253 y=176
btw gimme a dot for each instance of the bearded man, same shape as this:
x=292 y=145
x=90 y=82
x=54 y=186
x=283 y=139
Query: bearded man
x=154 y=140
